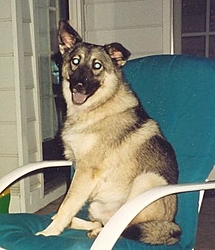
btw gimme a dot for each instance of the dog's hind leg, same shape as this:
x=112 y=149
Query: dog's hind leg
x=78 y=223
x=142 y=183
x=94 y=233
x=154 y=224
x=93 y=227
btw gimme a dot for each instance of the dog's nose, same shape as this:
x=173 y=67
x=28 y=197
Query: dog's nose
x=79 y=87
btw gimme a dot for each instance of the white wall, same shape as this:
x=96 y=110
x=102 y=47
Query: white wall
x=19 y=112
x=142 y=26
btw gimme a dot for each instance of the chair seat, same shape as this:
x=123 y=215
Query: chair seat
x=17 y=232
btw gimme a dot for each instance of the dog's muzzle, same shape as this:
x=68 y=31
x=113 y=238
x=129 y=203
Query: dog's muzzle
x=82 y=85
x=79 y=95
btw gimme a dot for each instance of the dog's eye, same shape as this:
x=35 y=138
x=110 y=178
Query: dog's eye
x=75 y=61
x=97 y=65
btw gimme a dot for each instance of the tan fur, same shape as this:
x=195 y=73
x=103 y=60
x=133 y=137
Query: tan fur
x=151 y=212
x=117 y=155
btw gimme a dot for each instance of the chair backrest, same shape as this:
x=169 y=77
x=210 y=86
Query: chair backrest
x=179 y=92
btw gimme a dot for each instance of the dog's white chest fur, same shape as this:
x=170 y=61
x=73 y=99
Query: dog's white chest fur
x=80 y=143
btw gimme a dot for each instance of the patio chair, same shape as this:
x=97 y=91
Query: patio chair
x=179 y=92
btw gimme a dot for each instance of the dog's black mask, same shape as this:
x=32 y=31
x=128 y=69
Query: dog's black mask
x=82 y=85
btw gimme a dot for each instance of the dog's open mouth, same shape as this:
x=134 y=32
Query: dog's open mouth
x=81 y=92
x=79 y=98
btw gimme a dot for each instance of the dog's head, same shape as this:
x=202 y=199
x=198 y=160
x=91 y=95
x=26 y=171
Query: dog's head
x=87 y=67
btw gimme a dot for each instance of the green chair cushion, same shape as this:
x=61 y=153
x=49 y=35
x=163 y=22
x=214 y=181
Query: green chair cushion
x=17 y=232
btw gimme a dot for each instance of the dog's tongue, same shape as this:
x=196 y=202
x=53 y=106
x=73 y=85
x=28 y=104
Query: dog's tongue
x=79 y=98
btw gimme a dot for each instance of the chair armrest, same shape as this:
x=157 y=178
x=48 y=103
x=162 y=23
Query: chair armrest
x=116 y=225
x=19 y=172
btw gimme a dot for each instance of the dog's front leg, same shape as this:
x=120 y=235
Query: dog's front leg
x=82 y=185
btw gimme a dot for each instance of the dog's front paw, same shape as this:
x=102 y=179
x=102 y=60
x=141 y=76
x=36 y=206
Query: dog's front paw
x=54 y=216
x=52 y=229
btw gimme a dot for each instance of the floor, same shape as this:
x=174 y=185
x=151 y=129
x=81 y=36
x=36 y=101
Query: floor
x=206 y=229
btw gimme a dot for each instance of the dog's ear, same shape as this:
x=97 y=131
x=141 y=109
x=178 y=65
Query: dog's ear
x=67 y=36
x=118 y=53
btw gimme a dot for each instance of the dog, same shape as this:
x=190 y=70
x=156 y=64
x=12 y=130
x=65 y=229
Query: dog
x=118 y=150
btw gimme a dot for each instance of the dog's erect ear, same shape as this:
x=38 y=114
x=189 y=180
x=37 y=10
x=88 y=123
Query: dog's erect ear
x=118 y=53
x=67 y=36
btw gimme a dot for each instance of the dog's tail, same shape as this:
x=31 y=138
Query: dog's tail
x=154 y=232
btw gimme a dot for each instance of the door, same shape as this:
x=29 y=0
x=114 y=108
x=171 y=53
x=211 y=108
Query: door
x=35 y=23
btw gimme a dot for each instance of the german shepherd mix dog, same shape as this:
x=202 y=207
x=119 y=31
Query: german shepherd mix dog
x=118 y=150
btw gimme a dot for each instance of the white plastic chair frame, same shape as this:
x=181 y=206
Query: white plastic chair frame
x=115 y=226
